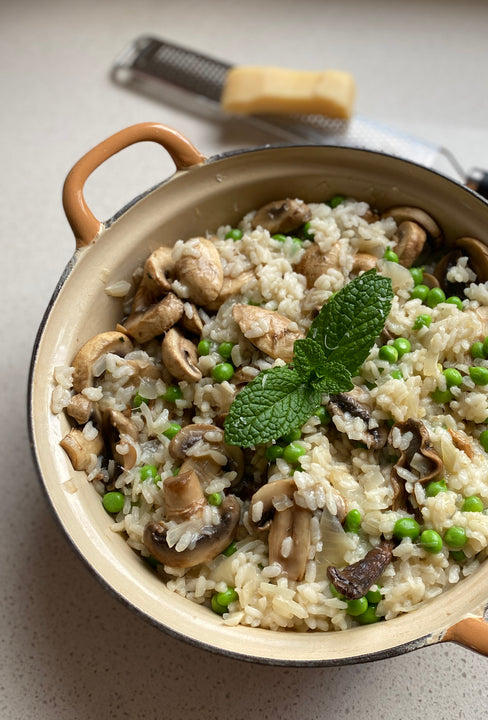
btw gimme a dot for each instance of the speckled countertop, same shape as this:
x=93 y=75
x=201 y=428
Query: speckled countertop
x=68 y=649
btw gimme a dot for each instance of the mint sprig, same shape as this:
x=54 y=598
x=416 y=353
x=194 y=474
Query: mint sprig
x=337 y=343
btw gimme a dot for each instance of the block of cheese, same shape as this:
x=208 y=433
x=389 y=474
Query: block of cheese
x=256 y=89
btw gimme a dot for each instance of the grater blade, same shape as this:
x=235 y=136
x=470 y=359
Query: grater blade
x=194 y=81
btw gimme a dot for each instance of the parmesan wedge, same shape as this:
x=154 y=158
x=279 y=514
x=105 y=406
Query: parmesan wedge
x=255 y=89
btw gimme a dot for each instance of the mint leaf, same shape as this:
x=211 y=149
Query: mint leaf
x=275 y=402
x=309 y=359
x=347 y=326
x=335 y=379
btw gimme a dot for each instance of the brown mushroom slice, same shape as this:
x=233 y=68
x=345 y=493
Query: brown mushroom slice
x=289 y=540
x=477 y=254
x=191 y=321
x=410 y=238
x=115 y=425
x=183 y=496
x=112 y=341
x=211 y=540
x=276 y=339
x=262 y=506
x=355 y=580
x=461 y=442
x=430 y=280
x=146 y=325
x=80 y=408
x=282 y=216
x=203 y=464
x=231 y=287
x=154 y=283
x=199 y=268
x=314 y=263
x=420 y=447
x=179 y=356
x=403 y=213
x=79 y=449
x=363 y=262
x=354 y=403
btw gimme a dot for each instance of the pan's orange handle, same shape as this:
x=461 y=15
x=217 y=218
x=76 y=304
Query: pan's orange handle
x=84 y=224
x=472 y=632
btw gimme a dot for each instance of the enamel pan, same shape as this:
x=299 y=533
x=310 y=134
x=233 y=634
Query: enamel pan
x=201 y=195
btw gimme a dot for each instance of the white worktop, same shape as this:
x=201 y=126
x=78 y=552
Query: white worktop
x=68 y=649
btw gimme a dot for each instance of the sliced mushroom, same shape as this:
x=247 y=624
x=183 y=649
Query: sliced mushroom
x=403 y=213
x=115 y=425
x=419 y=457
x=288 y=524
x=191 y=320
x=355 y=580
x=179 y=356
x=183 y=496
x=107 y=342
x=80 y=408
x=282 y=216
x=146 y=325
x=355 y=403
x=231 y=287
x=199 y=268
x=276 y=339
x=79 y=449
x=211 y=540
x=203 y=464
x=314 y=263
x=410 y=238
x=430 y=280
x=363 y=262
x=477 y=254
x=462 y=442
x=154 y=283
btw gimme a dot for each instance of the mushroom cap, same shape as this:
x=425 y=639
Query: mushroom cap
x=363 y=262
x=268 y=494
x=477 y=253
x=115 y=426
x=355 y=403
x=314 y=263
x=290 y=527
x=112 y=341
x=355 y=580
x=410 y=238
x=192 y=322
x=212 y=539
x=80 y=408
x=199 y=268
x=183 y=496
x=179 y=356
x=402 y=213
x=79 y=449
x=204 y=465
x=231 y=287
x=146 y=325
x=282 y=216
x=276 y=340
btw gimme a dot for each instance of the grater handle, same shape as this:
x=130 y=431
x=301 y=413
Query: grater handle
x=84 y=224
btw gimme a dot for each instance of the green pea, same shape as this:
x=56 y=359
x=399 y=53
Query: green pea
x=479 y=375
x=485 y=347
x=225 y=349
x=391 y=256
x=420 y=292
x=458 y=555
x=307 y=232
x=454 y=300
x=431 y=541
x=280 y=237
x=352 y=522
x=215 y=499
x=217 y=607
x=396 y=375
x=138 y=400
x=402 y=346
x=227 y=597
x=230 y=549
x=389 y=353
x=113 y=501
x=234 y=234
x=335 y=592
x=369 y=616
x=293 y=435
x=417 y=274
x=422 y=321
x=473 y=504
x=453 y=377
x=483 y=438
x=149 y=471
x=336 y=200
x=173 y=430
x=323 y=415
x=434 y=487
x=477 y=350
x=293 y=452
x=357 y=607
x=441 y=396
x=406 y=528
x=204 y=347
x=435 y=297
x=273 y=452
x=374 y=596
x=455 y=537
x=173 y=393
x=222 y=372
x=176 y=470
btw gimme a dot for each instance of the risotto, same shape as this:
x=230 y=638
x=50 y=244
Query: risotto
x=360 y=495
